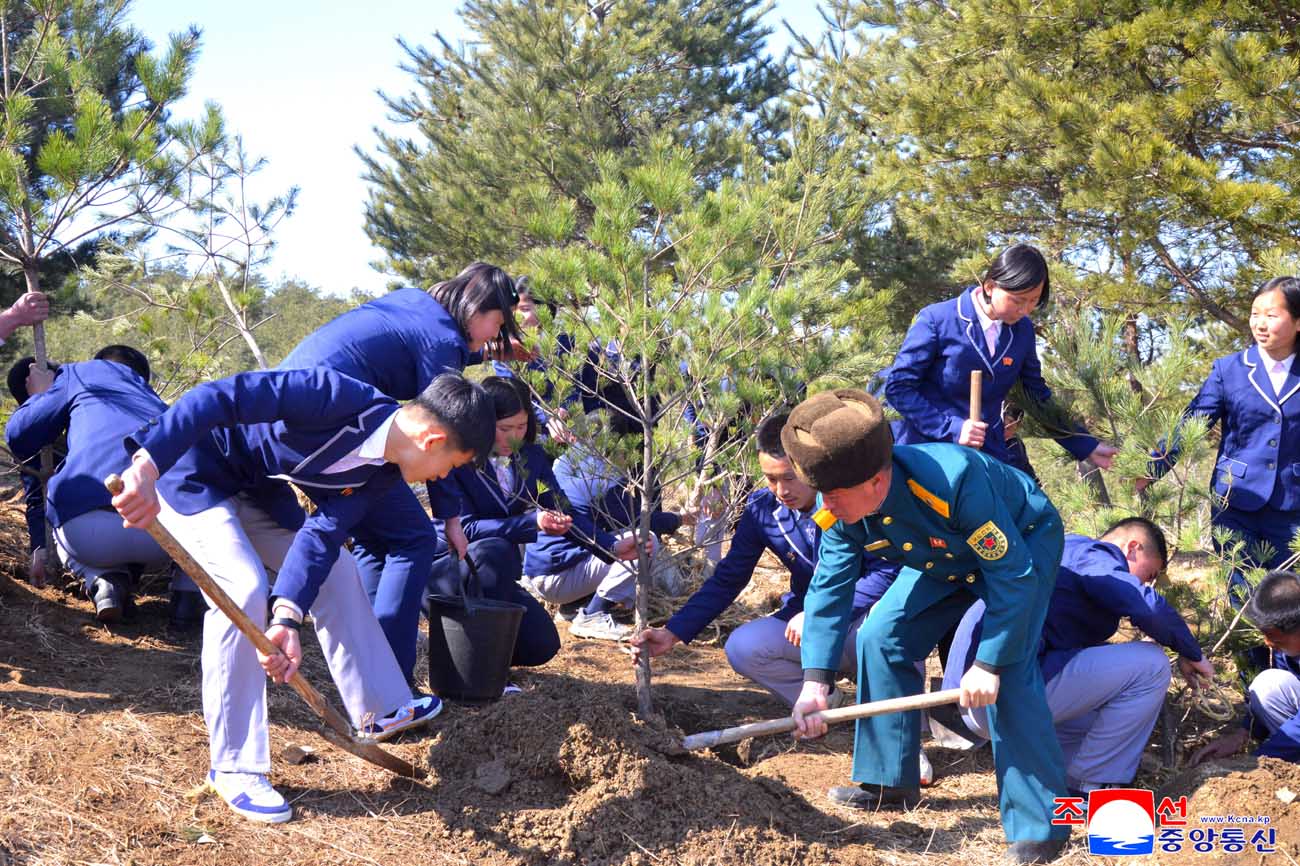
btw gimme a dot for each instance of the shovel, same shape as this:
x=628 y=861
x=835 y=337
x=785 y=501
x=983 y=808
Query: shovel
x=337 y=731
x=709 y=739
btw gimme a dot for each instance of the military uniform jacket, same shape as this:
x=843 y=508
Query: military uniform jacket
x=793 y=538
x=399 y=344
x=253 y=432
x=1258 y=463
x=929 y=382
x=955 y=515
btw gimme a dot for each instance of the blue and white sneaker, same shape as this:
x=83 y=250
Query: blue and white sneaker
x=251 y=796
x=414 y=713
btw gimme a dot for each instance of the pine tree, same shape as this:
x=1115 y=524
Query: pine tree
x=680 y=293
x=1151 y=144
x=520 y=117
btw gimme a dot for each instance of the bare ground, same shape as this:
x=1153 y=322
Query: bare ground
x=102 y=746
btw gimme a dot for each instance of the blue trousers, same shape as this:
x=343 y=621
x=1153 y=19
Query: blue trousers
x=499 y=567
x=902 y=628
x=394 y=548
x=1267 y=525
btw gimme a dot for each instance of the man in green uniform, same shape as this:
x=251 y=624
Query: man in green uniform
x=965 y=526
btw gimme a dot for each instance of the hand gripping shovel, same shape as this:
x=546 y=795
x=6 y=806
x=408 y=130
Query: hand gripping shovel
x=709 y=739
x=337 y=730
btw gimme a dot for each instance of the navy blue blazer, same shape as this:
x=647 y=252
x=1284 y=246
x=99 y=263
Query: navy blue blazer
x=601 y=508
x=929 y=382
x=96 y=403
x=1258 y=463
x=1094 y=591
x=766 y=524
x=398 y=343
x=253 y=432
x=487 y=511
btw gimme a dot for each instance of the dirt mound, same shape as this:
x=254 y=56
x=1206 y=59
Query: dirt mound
x=1250 y=789
x=574 y=773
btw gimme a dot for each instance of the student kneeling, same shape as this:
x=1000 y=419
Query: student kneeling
x=226 y=501
x=1104 y=697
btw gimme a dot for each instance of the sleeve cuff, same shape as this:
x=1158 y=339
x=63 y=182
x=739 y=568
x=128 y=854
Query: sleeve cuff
x=985 y=666
x=820 y=675
x=281 y=601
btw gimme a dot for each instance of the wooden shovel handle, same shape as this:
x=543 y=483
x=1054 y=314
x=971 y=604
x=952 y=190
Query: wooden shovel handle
x=340 y=732
x=708 y=739
x=977 y=395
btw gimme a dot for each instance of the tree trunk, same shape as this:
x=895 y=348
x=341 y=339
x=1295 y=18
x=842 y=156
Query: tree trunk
x=644 y=576
x=33 y=277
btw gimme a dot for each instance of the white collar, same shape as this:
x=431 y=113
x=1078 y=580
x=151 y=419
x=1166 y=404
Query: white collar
x=1269 y=363
x=373 y=447
x=984 y=320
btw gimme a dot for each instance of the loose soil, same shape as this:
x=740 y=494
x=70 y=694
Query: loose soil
x=102 y=747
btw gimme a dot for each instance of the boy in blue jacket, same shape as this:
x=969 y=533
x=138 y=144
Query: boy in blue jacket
x=346 y=446
x=1104 y=697
x=776 y=518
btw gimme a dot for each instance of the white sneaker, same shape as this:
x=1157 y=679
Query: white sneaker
x=600 y=626
x=412 y=714
x=927 y=771
x=250 y=795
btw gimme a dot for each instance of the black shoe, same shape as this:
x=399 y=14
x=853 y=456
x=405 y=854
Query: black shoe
x=110 y=595
x=1039 y=851
x=186 y=610
x=874 y=797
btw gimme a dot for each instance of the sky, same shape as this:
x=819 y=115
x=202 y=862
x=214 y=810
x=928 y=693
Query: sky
x=299 y=80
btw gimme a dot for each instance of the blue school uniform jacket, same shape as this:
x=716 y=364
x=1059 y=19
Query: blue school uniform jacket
x=601 y=508
x=929 y=382
x=487 y=511
x=399 y=344
x=1258 y=463
x=1094 y=591
x=766 y=524
x=96 y=403
x=253 y=432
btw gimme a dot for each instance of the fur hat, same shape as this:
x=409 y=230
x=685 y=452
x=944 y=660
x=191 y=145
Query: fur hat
x=838 y=439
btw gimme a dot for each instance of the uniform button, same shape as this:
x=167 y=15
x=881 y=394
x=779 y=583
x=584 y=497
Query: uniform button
x=947 y=556
x=1272 y=443
x=1029 y=528
x=887 y=521
x=952 y=578
x=929 y=565
x=1270 y=464
x=907 y=545
x=970 y=578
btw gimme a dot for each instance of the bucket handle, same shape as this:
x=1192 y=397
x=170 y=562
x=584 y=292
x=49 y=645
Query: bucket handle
x=471 y=585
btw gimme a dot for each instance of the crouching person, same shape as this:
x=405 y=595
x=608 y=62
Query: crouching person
x=777 y=518
x=1274 y=694
x=94 y=404
x=346 y=445
x=1104 y=697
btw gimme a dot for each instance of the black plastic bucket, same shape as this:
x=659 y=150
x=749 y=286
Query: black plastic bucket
x=471 y=641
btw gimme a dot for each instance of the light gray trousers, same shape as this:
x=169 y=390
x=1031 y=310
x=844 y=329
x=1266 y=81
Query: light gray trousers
x=759 y=651
x=236 y=543
x=1104 y=704
x=1274 y=697
x=94 y=543
x=609 y=580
